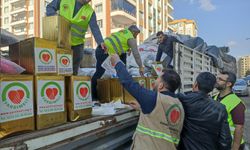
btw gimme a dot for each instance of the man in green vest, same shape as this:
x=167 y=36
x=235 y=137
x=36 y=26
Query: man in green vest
x=119 y=43
x=81 y=15
x=234 y=105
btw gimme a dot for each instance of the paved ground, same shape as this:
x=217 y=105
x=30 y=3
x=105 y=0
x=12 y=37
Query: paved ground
x=247 y=121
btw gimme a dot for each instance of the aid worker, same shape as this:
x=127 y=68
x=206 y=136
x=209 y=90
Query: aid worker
x=81 y=15
x=118 y=43
x=162 y=114
x=234 y=105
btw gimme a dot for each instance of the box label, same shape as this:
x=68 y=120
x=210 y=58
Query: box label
x=50 y=96
x=64 y=64
x=16 y=100
x=158 y=69
x=151 y=84
x=142 y=83
x=82 y=95
x=45 y=60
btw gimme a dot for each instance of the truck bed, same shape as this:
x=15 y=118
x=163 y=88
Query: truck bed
x=99 y=132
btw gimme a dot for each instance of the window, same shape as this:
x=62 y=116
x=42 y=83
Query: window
x=98 y=8
x=6 y=20
x=6 y=9
x=31 y=26
x=99 y=22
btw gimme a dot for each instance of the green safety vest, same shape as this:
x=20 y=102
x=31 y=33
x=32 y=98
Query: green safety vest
x=118 y=42
x=230 y=101
x=79 y=23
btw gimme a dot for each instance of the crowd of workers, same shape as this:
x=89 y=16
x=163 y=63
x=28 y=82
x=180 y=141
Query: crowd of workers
x=192 y=121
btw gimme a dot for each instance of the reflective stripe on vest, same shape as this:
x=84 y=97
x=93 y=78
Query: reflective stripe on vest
x=118 y=42
x=156 y=134
x=230 y=101
x=113 y=44
x=79 y=21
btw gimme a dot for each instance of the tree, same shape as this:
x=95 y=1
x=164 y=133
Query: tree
x=248 y=72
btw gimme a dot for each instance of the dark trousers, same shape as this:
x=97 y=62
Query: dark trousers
x=77 y=57
x=100 y=58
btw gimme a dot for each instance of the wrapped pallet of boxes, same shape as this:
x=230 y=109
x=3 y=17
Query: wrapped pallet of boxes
x=16 y=104
x=14 y=52
x=57 y=28
x=150 y=82
x=103 y=90
x=38 y=56
x=116 y=90
x=127 y=97
x=50 y=101
x=79 y=98
x=64 y=62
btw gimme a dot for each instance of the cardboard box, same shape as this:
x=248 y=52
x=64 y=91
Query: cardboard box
x=150 y=82
x=103 y=90
x=64 y=62
x=38 y=56
x=57 y=28
x=79 y=98
x=14 y=52
x=50 y=101
x=157 y=69
x=127 y=97
x=16 y=104
x=116 y=90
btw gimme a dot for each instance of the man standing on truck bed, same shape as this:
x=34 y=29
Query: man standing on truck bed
x=165 y=46
x=118 y=43
x=234 y=105
x=81 y=15
x=162 y=114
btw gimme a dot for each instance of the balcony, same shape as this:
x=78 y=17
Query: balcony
x=170 y=18
x=171 y=28
x=18 y=22
x=170 y=6
x=123 y=17
x=18 y=10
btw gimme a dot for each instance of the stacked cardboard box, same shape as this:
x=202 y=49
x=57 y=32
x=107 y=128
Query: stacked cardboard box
x=127 y=97
x=16 y=105
x=79 y=98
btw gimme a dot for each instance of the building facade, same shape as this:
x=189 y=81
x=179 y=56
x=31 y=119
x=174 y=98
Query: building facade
x=114 y=15
x=24 y=17
x=184 y=26
x=243 y=65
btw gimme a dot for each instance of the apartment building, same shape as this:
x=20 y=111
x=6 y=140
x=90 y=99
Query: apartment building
x=243 y=65
x=23 y=17
x=113 y=15
x=184 y=26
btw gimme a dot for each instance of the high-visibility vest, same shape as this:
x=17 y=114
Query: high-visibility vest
x=162 y=127
x=230 y=101
x=79 y=23
x=118 y=42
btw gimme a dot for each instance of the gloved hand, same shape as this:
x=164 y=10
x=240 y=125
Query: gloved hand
x=141 y=71
x=104 y=48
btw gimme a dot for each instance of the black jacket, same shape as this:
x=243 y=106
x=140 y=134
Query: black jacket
x=205 y=124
